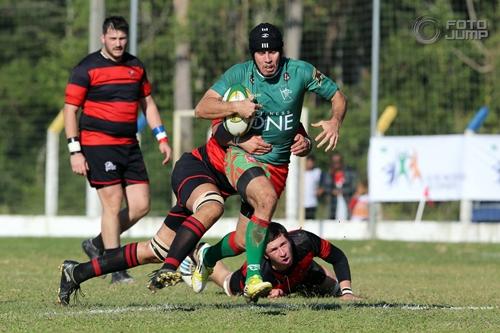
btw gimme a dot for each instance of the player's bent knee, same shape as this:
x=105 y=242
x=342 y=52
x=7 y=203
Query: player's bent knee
x=159 y=248
x=210 y=197
x=265 y=201
x=139 y=211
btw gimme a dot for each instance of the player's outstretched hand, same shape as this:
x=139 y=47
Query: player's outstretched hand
x=255 y=145
x=329 y=134
x=166 y=151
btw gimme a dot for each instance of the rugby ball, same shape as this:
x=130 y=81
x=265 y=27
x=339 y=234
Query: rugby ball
x=235 y=125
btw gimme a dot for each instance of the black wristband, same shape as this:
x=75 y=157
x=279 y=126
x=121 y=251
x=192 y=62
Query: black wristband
x=73 y=139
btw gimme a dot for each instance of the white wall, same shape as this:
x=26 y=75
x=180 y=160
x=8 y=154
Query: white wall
x=81 y=226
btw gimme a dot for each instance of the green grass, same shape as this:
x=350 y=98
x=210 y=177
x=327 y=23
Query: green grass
x=407 y=287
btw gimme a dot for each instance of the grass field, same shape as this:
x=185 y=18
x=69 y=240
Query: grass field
x=407 y=287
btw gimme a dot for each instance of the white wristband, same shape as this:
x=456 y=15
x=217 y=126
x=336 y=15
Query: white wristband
x=161 y=135
x=346 y=291
x=74 y=147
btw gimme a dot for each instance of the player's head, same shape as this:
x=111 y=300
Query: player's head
x=266 y=47
x=114 y=37
x=278 y=248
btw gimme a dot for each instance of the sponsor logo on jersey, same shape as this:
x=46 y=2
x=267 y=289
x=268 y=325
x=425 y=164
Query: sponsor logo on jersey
x=286 y=94
x=282 y=121
x=318 y=76
x=109 y=166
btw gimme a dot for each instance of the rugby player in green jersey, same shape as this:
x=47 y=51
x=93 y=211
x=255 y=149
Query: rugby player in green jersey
x=278 y=85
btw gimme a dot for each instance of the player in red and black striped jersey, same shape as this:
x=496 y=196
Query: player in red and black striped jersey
x=109 y=86
x=197 y=170
x=290 y=267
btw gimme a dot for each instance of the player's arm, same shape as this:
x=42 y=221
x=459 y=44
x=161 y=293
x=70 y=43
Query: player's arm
x=153 y=118
x=211 y=106
x=77 y=160
x=252 y=144
x=331 y=127
x=337 y=258
x=74 y=96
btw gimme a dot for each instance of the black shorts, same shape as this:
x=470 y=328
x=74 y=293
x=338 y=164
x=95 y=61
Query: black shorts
x=118 y=164
x=190 y=172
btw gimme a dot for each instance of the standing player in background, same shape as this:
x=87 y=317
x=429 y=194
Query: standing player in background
x=290 y=267
x=110 y=85
x=278 y=85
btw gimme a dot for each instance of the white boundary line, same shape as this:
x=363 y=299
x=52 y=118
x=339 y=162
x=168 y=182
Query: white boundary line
x=332 y=306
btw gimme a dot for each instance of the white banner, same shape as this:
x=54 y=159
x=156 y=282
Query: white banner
x=482 y=167
x=409 y=168
x=440 y=168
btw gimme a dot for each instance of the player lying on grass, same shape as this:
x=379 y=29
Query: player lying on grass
x=200 y=186
x=289 y=266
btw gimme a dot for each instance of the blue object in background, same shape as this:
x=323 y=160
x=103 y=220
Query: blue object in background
x=141 y=122
x=478 y=119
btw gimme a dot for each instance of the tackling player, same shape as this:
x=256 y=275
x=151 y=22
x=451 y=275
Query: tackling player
x=193 y=172
x=289 y=266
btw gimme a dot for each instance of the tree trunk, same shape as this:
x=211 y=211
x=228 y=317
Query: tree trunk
x=182 y=87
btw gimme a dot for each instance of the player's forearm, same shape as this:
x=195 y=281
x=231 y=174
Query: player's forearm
x=152 y=113
x=339 y=107
x=70 y=121
x=338 y=260
x=211 y=107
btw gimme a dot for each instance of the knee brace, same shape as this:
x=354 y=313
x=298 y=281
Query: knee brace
x=159 y=248
x=208 y=197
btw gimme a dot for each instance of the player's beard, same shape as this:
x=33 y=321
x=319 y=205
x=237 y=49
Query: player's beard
x=115 y=53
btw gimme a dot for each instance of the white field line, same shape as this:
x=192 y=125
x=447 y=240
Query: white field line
x=168 y=307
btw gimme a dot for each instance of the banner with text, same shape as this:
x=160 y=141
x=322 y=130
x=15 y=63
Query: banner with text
x=441 y=168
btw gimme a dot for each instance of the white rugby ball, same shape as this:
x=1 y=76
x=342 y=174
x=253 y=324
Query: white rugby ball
x=235 y=125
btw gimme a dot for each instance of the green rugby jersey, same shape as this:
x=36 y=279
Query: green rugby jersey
x=281 y=97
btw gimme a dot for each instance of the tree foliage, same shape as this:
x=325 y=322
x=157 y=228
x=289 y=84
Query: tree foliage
x=436 y=88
